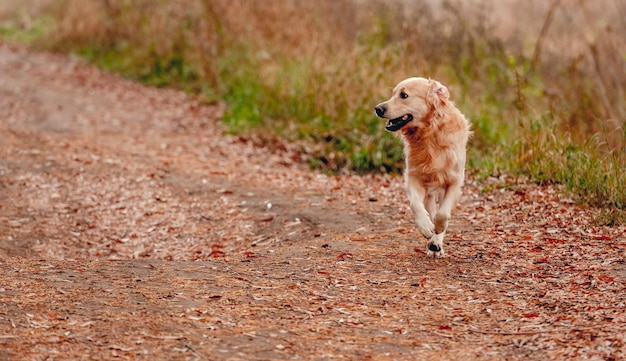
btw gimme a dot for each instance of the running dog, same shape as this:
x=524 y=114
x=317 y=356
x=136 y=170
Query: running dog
x=435 y=135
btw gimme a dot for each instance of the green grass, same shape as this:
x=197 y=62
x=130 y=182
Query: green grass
x=313 y=71
x=589 y=171
x=13 y=30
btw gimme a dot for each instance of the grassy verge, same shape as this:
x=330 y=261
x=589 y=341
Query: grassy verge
x=314 y=70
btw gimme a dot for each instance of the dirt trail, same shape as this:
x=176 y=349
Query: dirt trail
x=132 y=227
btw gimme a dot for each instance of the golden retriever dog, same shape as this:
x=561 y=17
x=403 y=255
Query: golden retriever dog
x=435 y=136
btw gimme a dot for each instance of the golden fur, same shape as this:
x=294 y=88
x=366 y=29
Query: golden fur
x=435 y=135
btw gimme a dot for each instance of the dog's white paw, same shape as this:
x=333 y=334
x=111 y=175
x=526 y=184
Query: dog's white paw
x=435 y=246
x=425 y=226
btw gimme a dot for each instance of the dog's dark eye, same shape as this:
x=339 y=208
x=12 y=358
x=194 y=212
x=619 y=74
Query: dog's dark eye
x=404 y=95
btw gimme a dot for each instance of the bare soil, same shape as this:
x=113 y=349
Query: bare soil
x=133 y=227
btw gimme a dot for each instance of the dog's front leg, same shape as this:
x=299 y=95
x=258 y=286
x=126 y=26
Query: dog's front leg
x=435 y=243
x=450 y=197
x=441 y=219
x=417 y=194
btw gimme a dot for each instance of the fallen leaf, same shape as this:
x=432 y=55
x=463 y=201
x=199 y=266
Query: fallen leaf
x=530 y=315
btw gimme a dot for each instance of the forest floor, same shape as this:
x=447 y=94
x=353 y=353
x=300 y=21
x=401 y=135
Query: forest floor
x=133 y=227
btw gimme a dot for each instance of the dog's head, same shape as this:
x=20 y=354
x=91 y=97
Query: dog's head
x=414 y=102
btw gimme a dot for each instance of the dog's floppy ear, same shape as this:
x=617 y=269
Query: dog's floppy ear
x=437 y=96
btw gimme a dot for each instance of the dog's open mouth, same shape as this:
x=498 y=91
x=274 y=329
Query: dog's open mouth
x=397 y=123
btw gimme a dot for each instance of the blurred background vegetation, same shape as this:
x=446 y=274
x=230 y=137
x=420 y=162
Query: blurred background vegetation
x=543 y=82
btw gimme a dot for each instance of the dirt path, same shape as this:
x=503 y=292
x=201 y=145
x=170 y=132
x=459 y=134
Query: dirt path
x=131 y=227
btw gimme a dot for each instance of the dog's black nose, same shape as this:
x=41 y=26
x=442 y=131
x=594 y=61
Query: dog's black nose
x=380 y=110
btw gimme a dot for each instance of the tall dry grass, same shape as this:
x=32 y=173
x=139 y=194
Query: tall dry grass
x=542 y=81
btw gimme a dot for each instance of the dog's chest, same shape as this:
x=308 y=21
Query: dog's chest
x=432 y=164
